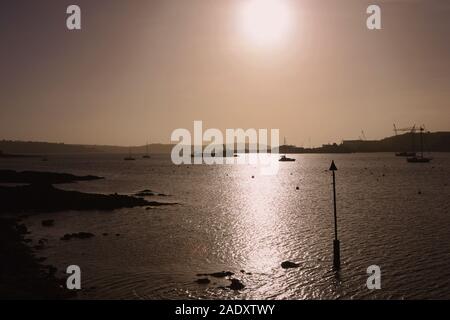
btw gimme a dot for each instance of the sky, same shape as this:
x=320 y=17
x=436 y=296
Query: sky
x=140 y=69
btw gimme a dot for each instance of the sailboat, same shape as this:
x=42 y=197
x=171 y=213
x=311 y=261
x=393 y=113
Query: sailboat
x=419 y=158
x=146 y=155
x=283 y=158
x=129 y=158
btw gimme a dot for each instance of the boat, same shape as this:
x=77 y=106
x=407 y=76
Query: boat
x=286 y=159
x=283 y=158
x=420 y=158
x=129 y=158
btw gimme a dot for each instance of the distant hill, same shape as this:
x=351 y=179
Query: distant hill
x=434 y=142
x=44 y=148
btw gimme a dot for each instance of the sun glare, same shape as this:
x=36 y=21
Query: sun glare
x=265 y=22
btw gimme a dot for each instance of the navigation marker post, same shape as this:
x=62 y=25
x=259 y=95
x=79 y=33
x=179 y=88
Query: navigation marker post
x=336 y=243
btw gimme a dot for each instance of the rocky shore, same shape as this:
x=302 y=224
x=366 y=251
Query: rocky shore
x=22 y=275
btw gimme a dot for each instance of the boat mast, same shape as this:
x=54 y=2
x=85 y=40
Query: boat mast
x=421 y=142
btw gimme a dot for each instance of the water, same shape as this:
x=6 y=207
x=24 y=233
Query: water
x=227 y=220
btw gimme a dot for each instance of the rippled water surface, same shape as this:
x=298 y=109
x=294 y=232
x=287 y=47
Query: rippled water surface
x=391 y=213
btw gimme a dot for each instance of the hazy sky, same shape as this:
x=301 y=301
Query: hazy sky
x=139 y=69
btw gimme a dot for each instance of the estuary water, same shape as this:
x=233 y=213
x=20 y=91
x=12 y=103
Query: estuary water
x=391 y=213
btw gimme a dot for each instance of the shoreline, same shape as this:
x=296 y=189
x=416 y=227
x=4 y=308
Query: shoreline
x=22 y=275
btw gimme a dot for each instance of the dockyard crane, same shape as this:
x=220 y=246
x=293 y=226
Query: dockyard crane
x=410 y=129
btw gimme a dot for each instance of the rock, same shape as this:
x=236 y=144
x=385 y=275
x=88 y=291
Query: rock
x=236 y=285
x=203 y=281
x=22 y=229
x=221 y=274
x=51 y=270
x=48 y=223
x=79 y=235
x=297 y=188
x=289 y=265
x=105 y=234
x=145 y=193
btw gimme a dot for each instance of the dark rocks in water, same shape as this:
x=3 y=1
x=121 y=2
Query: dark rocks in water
x=22 y=229
x=48 y=223
x=46 y=198
x=79 y=235
x=117 y=234
x=149 y=193
x=297 y=188
x=105 y=234
x=145 y=193
x=42 y=241
x=51 y=270
x=37 y=177
x=236 y=285
x=221 y=274
x=203 y=281
x=289 y=265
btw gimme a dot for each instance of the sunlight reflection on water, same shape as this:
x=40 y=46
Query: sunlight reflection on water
x=227 y=220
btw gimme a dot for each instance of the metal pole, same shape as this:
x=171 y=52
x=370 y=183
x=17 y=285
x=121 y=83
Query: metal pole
x=336 y=243
x=335 y=211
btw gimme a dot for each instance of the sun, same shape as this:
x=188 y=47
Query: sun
x=265 y=23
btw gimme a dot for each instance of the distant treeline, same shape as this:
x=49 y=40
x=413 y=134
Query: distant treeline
x=434 y=142
x=45 y=148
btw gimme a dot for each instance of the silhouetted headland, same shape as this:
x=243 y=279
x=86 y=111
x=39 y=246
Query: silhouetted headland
x=36 y=198
x=8 y=155
x=37 y=177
